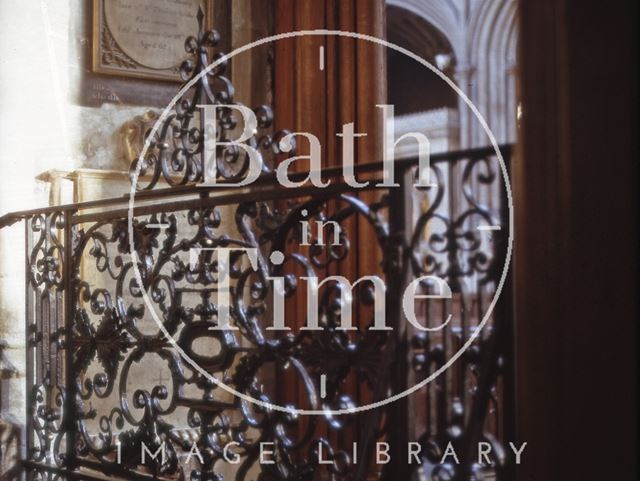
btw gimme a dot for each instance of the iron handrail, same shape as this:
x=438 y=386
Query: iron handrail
x=228 y=194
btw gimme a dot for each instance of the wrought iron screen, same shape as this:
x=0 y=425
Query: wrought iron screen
x=103 y=379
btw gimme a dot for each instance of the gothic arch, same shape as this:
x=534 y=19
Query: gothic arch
x=491 y=45
x=444 y=15
x=412 y=87
x=483 y=35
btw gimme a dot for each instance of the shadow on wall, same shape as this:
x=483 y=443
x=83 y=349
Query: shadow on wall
x=10 y=428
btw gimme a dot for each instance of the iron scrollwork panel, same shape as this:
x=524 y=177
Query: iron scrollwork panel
x=107 y=372
x=461 y=236
x=113 y=334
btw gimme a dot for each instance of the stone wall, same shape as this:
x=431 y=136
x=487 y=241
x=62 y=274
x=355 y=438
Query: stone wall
x=42 y=127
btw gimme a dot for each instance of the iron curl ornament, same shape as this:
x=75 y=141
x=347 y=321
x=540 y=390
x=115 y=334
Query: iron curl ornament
x=175 y=153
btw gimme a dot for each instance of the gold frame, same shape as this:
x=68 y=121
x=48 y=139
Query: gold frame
x=130 y=67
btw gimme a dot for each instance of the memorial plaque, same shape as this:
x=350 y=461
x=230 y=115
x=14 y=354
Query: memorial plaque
x=144 y=38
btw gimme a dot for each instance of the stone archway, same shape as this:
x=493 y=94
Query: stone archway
x=483 y=38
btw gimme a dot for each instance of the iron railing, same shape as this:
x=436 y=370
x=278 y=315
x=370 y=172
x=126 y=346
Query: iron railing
x=87 y=328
